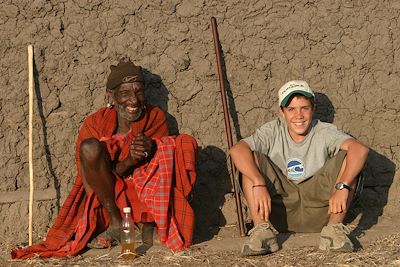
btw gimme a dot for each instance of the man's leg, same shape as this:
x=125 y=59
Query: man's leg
x=263 y=236
x=334 y=235
x=247 y=187
x=97 y=176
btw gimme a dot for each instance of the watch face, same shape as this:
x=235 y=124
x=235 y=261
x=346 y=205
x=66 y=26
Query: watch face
x=340 y=186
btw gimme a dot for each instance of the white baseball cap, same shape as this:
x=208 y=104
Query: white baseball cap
x=294 y=87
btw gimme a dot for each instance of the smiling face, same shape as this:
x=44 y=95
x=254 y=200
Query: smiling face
x=129 y=101
x=298 y=116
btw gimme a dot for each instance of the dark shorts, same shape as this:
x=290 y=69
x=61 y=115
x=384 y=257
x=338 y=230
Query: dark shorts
x=301 y=207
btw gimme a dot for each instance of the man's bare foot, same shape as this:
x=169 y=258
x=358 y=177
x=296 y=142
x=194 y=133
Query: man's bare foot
x=106 y=239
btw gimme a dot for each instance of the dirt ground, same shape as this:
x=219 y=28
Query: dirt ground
x=377 y=246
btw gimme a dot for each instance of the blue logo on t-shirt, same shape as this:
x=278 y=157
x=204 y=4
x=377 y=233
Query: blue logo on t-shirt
x=295 y=169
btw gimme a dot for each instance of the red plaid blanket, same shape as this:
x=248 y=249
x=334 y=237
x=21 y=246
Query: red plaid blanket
x=154 y=182
x=82 y=216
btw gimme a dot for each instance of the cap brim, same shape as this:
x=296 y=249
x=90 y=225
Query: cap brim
x=286 y=99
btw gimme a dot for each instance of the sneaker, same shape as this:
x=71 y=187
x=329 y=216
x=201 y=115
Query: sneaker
x=334 y=238
x=262 y=240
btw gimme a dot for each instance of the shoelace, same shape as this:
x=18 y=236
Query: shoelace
x=262 y=227
x=340 y=227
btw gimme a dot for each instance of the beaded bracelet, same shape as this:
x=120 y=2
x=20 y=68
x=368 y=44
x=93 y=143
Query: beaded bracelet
x=260 y=185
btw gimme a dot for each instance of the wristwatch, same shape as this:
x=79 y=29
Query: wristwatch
x=340 y=186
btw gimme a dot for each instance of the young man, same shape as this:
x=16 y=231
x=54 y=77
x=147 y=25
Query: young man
x=299 y=175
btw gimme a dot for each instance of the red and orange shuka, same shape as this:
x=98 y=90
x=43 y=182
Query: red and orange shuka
x=157 y=191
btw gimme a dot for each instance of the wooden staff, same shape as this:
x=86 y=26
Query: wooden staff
x=227 y=124
x=30 y=70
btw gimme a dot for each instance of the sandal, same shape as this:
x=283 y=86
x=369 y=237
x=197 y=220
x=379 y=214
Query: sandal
x=107 y=239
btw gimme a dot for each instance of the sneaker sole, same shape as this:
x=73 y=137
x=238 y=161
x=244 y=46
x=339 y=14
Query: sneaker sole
x=326 y=245
x=247 y=251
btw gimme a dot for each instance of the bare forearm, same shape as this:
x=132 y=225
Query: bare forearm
x=244 y=161
x=356 y=157
x=122 y=167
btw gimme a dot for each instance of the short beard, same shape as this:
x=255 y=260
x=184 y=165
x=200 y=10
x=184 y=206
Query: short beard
x=122 y=113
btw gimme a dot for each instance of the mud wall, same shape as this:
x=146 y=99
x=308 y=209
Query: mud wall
x=348 y=51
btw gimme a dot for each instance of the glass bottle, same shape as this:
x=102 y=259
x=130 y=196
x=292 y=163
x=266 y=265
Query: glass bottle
x=127 y=235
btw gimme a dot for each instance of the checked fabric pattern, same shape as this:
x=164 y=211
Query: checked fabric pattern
x=82 y=216
x=153 y=185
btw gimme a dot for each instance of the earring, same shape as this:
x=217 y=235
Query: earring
x=109 y=103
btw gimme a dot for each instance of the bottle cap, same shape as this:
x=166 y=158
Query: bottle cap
x=127 y=210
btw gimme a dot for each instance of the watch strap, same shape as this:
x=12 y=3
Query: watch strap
x=341 y=186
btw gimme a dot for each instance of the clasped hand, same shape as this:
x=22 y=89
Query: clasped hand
x=141 y=147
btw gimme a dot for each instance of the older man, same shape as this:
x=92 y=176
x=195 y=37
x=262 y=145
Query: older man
x=125 y=158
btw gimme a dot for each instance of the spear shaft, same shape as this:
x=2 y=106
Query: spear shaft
x=227 y=125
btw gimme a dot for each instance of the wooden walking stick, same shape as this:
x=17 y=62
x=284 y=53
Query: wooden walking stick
x=227 y=125
x=30 y=70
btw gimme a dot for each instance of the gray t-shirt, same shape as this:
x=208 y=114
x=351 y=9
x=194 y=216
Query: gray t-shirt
x=298 y=161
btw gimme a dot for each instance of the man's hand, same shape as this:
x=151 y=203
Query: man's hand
x=338 y=201
x=141 y=147
x=262 y=201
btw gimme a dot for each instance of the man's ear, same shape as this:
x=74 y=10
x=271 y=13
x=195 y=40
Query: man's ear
x=109 y=93
x=280 y=110
x=314 y=107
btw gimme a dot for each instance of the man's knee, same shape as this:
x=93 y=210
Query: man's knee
x=90 y=149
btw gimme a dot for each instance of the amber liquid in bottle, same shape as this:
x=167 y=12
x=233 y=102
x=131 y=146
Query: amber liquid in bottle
x=128 y=251
x=127 y=236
